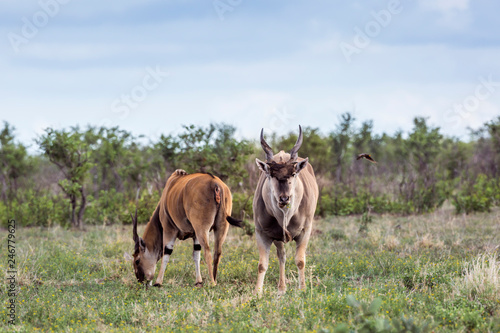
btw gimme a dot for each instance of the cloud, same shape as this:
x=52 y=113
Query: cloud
x=445 y=5
x=268 y=64
x=455 y=14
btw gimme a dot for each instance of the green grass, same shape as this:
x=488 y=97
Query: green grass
x=420 y=267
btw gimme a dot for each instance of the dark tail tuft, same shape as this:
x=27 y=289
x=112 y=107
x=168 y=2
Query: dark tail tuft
x=235 y=222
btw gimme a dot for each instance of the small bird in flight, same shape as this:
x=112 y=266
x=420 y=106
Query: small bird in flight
x=367 y=156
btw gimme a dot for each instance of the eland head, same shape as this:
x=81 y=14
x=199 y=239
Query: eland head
x=144 y=261
x=282 y=170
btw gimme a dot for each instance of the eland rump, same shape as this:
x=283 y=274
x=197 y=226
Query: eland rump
x=191 y=205
x=283 y=206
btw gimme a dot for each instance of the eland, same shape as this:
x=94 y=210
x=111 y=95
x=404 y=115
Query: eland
x=283 y=206
x=190 y=207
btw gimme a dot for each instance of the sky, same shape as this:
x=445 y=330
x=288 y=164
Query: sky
x=152 y=66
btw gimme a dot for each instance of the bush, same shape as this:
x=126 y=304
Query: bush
x=242 y=205
x=106 y=209
x=348 y=203
x=248 y=227
x=428 y=198
x=33 y=208
x=478 y=196
x=145 y=206
x=423 y=194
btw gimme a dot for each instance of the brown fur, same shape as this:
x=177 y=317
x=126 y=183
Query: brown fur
x=190 y=206
x=153 y=234
x=282 y=171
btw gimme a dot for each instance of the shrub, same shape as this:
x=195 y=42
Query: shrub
x=249 y=227
x=145 y=205
x=242 y=205
x=478 y=196
x=347 y=203
x=106 y=209
x=34 y=208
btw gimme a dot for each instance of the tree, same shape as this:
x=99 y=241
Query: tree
x=424 y=189
x=14 y=162
x=341 y=139
x=136 y=168
x=487 y=151
x=168 y=147
x=455 y=157
x=70 y=153
x=364 y=141
x=110 y=155
x=314 y=146
x=231 y=154
x=213 y=149
x=424 y=144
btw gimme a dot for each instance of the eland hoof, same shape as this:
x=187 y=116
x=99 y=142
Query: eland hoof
x=198 y=284
x=158 y=285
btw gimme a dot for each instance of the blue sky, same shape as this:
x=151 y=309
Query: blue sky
x=152 y=66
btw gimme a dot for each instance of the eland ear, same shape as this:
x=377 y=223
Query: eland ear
x=142 y=244
x=301 y=165
x=262 y=166
x=127 y=256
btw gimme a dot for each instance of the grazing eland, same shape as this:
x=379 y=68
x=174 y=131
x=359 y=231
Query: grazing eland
x=190 y=207
x=283 y=206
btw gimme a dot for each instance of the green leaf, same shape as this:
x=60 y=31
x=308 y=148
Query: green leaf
x=352 y=302
x=342 y=328
x=375 y=306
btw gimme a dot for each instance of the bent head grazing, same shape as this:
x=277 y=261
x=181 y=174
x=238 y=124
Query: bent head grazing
x=282 y=170
x=143 y=261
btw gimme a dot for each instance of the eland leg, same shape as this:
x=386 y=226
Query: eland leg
x=300 y=255
x=220 y=236
x=196 y=258
x=280 y=250
x=169 y=240
x=203 y=238
x=264 y=244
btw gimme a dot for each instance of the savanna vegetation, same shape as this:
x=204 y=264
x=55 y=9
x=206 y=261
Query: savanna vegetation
x=420 y=273
x=99 y=175
x=409 y=244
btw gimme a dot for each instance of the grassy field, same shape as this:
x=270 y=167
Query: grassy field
x=439 y=271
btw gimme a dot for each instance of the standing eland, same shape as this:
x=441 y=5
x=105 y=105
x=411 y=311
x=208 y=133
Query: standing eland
x=190 y=207
x=283 y=207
